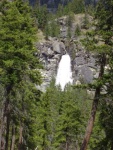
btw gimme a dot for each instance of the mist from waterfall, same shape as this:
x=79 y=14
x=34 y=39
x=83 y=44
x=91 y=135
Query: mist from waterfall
x=64 y=73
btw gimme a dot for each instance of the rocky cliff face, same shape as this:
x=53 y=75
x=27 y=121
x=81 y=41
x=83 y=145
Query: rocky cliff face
x=83 y=63
x=50 y=55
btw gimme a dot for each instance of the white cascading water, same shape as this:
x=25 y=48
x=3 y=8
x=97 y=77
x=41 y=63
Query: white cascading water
x=64 y=73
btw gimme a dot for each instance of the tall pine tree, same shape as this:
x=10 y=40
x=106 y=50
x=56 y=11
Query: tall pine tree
x=100 y=42
x=18 y=63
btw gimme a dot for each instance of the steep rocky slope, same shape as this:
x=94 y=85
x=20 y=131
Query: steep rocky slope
x=83 y=63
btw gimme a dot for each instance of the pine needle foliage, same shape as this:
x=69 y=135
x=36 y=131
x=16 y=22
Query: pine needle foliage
x=19 y=72
x=100 y=42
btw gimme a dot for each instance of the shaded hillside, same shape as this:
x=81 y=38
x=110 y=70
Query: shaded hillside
x=55 y=3
x=50 y=3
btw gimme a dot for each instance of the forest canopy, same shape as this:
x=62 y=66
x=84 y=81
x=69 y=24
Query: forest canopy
x=54 y=120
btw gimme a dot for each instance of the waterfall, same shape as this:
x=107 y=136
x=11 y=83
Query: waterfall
x=64 y=73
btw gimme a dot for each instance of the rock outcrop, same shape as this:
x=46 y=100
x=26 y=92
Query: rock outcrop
x=84 y=67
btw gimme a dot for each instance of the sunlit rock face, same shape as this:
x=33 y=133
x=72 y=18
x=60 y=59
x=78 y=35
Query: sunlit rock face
x=83 y=63
x=50 y=53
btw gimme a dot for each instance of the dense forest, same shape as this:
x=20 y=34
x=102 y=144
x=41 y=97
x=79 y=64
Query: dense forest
x=71 y=119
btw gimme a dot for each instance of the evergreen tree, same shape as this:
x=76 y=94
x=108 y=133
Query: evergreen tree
x=77 y=30
x=75 y=6
x=62 y=118
x=105 y=118
x=86 y=21
x=52 y=29
x=103 y=47
x=60 y=10
x=41 y=15
x=70 y=123
x=49 y=108
x=69 y=22
x=18 y=65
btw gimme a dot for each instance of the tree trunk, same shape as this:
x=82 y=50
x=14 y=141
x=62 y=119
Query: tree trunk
x=20 y=138
x=7 y=115
x=67 y=145
x=67 y=140
x=1 y=128
x=91 y=120
x=2 y=140
x=94 y=107
x=1 y=134
x=7 y=132
x=2 y=125
x=13 y=138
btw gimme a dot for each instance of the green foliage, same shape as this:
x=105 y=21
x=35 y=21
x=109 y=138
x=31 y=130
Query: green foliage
x=105 y=119
x=74 y=6
x=24 y=111
x=19 y=71
x=77 y=30
x=70 y=19
x=17 y=37
x=86 y=21
x=98 y=134
x=41 y=15
x=62 y=117
x=69 y=33
x=52 y=29
x=77 y=6
x=90 y=9
x=100 y=42
x=69 y=22
x=60 y=10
